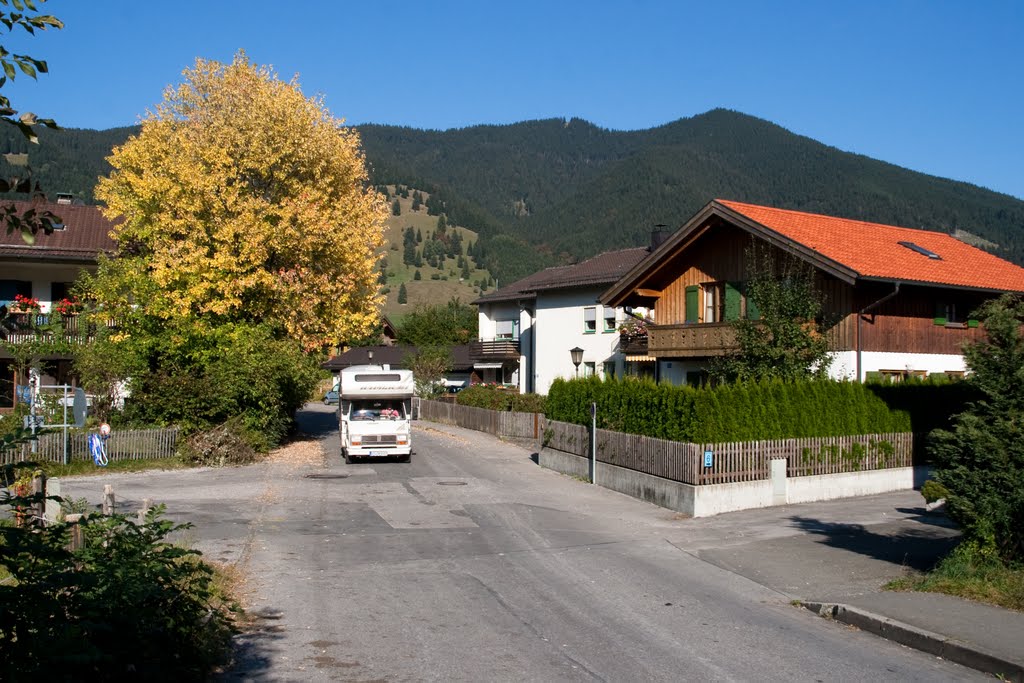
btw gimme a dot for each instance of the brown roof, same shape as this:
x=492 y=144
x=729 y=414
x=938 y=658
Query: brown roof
x=86 y=234
x=602 y=269
x=394 y=356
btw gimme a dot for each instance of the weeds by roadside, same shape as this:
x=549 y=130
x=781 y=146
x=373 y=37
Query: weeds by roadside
x=964 y=574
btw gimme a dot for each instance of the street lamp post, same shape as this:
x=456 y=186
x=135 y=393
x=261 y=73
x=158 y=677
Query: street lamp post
x=577 y=358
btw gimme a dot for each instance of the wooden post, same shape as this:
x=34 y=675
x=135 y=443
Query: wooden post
x=146 y=505
x=108 y=499
x=77 y=537
x=39 y=506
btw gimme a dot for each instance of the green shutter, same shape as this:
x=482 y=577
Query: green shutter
x=940 y=313
x=733 y=297
x=752 y=312
x=692 y=304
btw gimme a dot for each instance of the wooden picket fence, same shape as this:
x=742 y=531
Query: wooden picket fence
x=685 y=462
x=129 y=444
x=496 y=422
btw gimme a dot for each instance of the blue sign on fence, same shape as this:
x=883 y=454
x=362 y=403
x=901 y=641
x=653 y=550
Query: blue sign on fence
x=709 y=458
x=24 y=393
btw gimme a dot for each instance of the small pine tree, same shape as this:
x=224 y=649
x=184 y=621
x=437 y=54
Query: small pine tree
x=403 y=296
x=417 y=276
x=417 y=200
x=419 y=236
x=396 y=208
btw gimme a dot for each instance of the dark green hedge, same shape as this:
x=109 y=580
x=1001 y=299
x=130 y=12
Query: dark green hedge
x=754 y=411
x=493 y=398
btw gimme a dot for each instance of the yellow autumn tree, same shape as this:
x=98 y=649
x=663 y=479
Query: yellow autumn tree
x=243 y=200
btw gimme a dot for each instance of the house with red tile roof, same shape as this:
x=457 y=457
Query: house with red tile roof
x=44 y=271
x=528 y=328
x=899 y=300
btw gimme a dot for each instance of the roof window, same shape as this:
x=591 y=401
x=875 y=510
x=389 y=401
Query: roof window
x=921 y=250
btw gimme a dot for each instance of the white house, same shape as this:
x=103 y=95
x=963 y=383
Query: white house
x=44 y=271
x=528 y=328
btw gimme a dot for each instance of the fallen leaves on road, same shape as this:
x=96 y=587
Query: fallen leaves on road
x=304 y=451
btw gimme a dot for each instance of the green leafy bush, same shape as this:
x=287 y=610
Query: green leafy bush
x=495 y=398
x=129 y=604
x=198 y=377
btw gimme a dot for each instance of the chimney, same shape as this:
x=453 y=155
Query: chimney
x=64 y=197
x=658 y=235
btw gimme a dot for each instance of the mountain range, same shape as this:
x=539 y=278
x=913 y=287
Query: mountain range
x=556 y=191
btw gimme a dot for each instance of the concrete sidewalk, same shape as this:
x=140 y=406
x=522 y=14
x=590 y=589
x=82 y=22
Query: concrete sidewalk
x=835 y=558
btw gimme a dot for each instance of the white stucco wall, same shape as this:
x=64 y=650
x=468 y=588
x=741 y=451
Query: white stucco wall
x=844 y=364
x=41 y=275
x=559 y=327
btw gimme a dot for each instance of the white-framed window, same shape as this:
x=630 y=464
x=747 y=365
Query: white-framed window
x=506 y=329
x=590 y=320
x=589 y=368
x=609 y=319
x=712 y=301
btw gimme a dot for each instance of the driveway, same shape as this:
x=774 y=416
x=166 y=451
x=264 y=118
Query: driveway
x=471 y=563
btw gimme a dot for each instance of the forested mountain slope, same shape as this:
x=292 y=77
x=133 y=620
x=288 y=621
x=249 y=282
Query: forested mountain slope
x=541 y=192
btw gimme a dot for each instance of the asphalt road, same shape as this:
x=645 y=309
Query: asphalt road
x=471 y=563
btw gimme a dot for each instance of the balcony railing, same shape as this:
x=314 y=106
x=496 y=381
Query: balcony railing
x=692 y=340
x=24 y=327
x=633 y=342
x=494 y=349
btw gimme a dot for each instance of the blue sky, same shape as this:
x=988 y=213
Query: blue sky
x=935 y=86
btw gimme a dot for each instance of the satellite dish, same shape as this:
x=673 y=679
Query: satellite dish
x=80 y=407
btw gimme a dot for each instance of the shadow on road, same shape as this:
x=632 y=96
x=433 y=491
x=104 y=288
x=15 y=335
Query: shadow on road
x=317 y=421
x=253 y=648
x=917 y=548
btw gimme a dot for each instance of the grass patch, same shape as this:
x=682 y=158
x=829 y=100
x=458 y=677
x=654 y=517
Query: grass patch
x=966 y=576
x=78 y=468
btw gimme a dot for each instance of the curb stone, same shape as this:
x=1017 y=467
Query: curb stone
x=920 y=639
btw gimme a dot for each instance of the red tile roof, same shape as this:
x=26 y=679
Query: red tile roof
x=87 y=233
x=873 y=250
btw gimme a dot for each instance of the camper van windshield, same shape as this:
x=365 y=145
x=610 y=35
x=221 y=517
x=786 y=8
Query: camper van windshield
x=378 y=410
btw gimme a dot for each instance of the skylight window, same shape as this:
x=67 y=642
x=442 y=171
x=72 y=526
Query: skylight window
x=921 y=250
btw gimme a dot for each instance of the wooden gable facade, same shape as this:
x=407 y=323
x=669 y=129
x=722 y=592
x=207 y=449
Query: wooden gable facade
x=695 y=284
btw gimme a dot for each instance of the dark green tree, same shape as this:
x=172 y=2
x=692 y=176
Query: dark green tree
x=417 y=276
x=396 y=208
x=403 y=296
x=980 y=461
x=417 y=200
x=783 y=334
x=439 y=325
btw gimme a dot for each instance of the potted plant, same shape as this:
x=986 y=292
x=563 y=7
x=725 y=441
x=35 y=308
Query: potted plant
x=24 y=304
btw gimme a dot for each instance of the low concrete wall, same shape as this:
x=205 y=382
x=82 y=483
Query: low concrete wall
x=848 y=484
x=714 y=499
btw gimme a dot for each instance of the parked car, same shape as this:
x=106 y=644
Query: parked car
x=331 y=398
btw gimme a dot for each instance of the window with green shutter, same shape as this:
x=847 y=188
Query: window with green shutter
x=733 y=299
x=692 y=304
x=752 y=312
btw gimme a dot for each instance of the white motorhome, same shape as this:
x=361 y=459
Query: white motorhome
x=375 y=412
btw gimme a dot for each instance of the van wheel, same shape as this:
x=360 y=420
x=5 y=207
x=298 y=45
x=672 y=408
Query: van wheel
x=404 y=458
x=348 y=458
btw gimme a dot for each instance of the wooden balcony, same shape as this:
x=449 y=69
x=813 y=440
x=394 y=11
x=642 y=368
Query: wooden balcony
x=692 y=340
x=633 y=343
x=494 y=350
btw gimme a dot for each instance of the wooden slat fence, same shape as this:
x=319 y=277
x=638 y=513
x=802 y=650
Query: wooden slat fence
x=129 y=444
x=496 y=422
x=684 y=462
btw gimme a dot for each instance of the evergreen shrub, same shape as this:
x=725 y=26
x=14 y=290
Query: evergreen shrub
x=494 y=398
x=755 y=411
